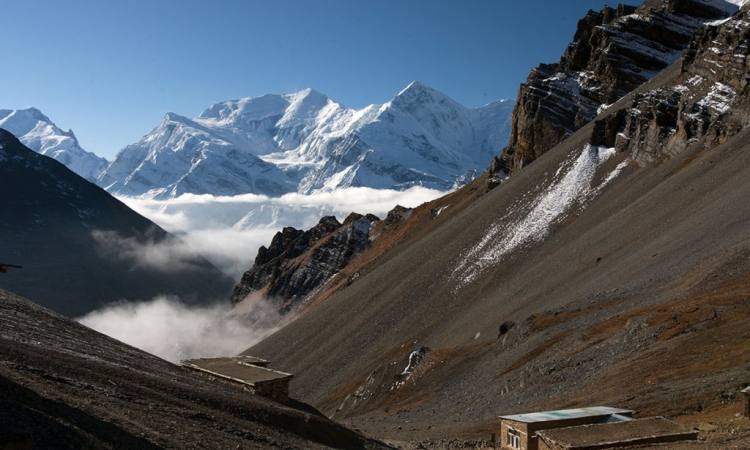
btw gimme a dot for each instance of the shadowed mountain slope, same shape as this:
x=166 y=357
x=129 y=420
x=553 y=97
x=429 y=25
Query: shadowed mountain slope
x=82 y=248
x=65 y=386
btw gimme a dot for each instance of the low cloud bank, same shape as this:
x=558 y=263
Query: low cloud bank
x=228 y=230
x=174 y=331
x=229 y=249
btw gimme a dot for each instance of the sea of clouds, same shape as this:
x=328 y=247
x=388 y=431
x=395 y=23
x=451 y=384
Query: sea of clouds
x=226 y=230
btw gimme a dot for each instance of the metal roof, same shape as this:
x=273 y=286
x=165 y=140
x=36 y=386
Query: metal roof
x=633 y=432
x=566 y=414
x=241 y=358
x=236 y=369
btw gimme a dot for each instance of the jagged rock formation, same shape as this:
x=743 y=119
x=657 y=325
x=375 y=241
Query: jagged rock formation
x=298 y=262
x=613 y=52
x=706 y=104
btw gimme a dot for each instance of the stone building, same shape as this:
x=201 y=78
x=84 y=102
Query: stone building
x=588 y=428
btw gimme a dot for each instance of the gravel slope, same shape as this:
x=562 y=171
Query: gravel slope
x=65 y=386
x=606 y=289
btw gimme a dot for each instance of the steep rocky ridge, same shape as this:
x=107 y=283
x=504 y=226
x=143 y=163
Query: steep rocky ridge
x=80 y=247
x=633 y=293
x=613 y=51
x=702 y=108
x=65 y=386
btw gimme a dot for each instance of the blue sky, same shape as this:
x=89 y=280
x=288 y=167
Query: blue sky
x=110 y=70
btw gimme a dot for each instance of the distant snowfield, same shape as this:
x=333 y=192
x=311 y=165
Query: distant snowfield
x=228 y=230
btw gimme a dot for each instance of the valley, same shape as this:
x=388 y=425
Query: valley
x=567 y=270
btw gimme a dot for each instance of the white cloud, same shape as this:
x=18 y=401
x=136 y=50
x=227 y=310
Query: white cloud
x=174 y=331
x=228 y=230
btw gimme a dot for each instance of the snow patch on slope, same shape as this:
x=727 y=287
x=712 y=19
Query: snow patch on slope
x=575 y=187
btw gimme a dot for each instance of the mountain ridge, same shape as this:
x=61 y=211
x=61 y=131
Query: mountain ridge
x=304 y=141
x=88 y=247
x=613 y=51
x=39 y=133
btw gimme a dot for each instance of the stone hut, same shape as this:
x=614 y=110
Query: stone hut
x=589 y=428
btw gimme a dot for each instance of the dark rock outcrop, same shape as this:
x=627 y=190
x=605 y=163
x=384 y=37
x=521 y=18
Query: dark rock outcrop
x=396 y=215
x=298 y=262
x=613 y=51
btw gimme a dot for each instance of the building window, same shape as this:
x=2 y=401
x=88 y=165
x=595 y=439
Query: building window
x=513 y=438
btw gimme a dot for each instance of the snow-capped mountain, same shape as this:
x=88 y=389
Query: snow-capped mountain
x=40 y=134
x=305 y=141
x=181 y=155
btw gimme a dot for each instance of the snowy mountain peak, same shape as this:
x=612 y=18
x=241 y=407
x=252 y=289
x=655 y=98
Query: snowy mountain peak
x=418 y=97
x=22 y=120
x=244 y=109
x=175 y=118
x=303 y=107
x=415 y=87
x=306 y=95
x=305 y=141
x=38 y=132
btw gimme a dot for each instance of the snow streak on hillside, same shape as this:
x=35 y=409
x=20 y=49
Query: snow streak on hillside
x=565 y=191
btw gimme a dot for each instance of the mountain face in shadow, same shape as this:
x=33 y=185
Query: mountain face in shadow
x=81 y=248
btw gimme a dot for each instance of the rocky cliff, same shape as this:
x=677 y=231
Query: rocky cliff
x=703 y=107
x=298 y=262
x=613 y=51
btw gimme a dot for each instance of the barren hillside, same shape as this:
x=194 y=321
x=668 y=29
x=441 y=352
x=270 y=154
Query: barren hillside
x=613 y=270
x=63 y=385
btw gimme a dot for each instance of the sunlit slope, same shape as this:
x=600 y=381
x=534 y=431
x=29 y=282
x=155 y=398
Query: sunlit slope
x=642 y=256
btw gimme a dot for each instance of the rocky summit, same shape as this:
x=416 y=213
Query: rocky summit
x=613 y=51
